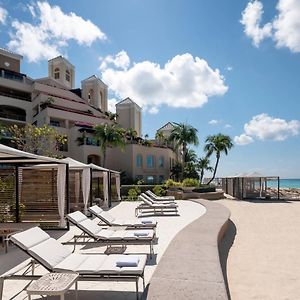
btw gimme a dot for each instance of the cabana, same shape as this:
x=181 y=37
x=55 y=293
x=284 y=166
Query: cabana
x=12 y=162
x=250 y=186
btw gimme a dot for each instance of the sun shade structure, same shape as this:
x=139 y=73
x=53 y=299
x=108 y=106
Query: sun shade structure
x=250 y=186
x=14 y=160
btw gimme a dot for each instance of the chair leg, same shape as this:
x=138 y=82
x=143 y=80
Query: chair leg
x=137 y=288
x=1 y=287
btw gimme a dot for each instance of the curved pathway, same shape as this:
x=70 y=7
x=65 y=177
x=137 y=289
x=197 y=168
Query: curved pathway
x=190 y=268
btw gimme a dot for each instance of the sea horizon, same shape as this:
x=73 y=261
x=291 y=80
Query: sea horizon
x=286 y=183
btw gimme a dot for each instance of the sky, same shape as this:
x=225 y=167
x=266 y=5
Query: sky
x=228 y=67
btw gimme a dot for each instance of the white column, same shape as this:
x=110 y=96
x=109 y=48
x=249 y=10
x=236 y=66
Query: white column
x=61 y=190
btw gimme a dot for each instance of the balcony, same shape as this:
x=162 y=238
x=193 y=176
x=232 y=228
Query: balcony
x=11 y=75
x=11 y=93
x=12 y=116
x=12 y=113
x=89 y=141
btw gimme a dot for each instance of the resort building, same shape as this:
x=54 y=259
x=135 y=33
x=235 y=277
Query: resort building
x=74 y=112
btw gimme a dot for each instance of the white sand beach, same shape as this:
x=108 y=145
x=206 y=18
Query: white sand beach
x=167 y=228
x=263 y=262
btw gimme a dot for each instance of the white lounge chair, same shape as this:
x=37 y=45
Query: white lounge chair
x=56 y=257
x=160 y=198
x=153 y=201
x=157 y=209
x=110 y=220
x=109 y=237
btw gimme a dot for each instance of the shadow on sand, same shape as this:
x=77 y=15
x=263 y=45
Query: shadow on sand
x=224 y=247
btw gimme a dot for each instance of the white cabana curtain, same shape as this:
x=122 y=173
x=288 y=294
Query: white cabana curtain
x=105 y=188
x=85 y=184
x=61 y=190
x=118 y=186
x=77 y=187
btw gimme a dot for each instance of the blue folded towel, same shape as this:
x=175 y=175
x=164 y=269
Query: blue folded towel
x=128 y=261
x=141 y=233
x=145 y=221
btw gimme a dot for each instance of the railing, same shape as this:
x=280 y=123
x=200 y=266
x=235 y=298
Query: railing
x=15 y=96
x=11 y=75
x=12 y=116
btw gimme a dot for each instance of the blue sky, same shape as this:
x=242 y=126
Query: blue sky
x=222 y=66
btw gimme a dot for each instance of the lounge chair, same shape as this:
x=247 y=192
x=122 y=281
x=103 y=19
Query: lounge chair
x=157 y=209
x=109 y=237
x=160 y=198
x=56 y=257
x=109 y=220
x=153 y=201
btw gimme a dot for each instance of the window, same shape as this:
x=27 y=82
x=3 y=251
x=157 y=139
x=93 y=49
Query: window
x=139 y=160
x=161 y=179
x=67 y=75
x=150 y=179
x=161 y=162
x=150 y=161
x=56 y=73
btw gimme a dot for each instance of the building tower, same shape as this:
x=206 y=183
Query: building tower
x=94 y=90
x=62 y=71
x=129 y=115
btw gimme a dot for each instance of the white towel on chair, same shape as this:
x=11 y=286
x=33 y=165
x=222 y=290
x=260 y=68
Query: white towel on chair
x=128 y=261
x=141 y=233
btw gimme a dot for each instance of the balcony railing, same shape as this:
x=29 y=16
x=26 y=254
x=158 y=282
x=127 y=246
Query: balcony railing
x=15 y=96
x=11 y=75
x=12 y=116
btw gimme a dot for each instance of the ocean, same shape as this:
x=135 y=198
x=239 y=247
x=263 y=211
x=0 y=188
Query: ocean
x=285 y=183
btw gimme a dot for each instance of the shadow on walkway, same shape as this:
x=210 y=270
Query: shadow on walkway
x=224 y=247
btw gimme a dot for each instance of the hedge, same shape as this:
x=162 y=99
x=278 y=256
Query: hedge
x=143 y=188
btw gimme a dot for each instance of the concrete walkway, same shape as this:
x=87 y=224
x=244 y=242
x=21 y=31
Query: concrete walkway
x=190 y=268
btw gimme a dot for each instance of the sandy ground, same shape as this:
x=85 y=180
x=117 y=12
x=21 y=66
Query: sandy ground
x=167 y=228
x=264 y=260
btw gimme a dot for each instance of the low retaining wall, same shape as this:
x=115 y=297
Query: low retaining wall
x=190 y=268
x=206 y=196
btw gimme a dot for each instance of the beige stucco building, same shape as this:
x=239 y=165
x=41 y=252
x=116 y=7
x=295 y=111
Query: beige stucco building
x=53 y=100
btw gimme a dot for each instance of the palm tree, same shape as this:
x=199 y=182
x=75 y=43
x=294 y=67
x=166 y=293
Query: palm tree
x=182 y=135
x=160 y=137
x=204 y=165
x=190 y=156
x=217 y=143
x=131 y=134
x=109 y=136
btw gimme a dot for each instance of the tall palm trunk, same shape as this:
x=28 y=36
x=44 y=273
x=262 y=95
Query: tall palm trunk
x=201 y=176
x=183 y=160
x=216 y=166
x=104 y=156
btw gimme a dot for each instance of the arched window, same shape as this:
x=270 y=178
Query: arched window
x=91 y=96
x=56 y=73
x=68 y=75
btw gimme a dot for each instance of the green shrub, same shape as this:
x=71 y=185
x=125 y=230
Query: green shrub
x=133 y=193
x=171 y=183
x=190 y=182
x=159 y=190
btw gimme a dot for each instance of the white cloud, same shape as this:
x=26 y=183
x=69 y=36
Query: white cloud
x=121 y=60
x=251 y=18
x=284 y=28
x=112 y=105
x=153 y=110
x=287 y=25
x=263 y=127
x=184 y=81
x=243 y=139
x=213 y=122
x=54 y=28
x=228 y=126
x=229 y=68
x=3 y=15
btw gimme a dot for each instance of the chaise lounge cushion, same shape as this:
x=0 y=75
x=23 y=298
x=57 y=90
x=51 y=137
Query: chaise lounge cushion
x=29 y=238
x=50 y=253
x=77 y=216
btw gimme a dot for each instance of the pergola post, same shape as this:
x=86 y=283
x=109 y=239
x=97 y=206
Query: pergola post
x=17 y=212
x=67 y=193
x=91 y=187
x=109 y=188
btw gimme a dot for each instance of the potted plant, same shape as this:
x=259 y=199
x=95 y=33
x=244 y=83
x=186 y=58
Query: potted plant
x=188 y=184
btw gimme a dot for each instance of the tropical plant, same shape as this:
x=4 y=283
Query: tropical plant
x=189 y=182
x=111 y=116
x=190 y=156
x=159 y=190
x=203 y=165
x=133 y=193
x=109 y=136
x=217 y=144
x=160 y=137
x=183 y=135
x=47 y=103
x=190 y=171
x=43 y=140
x=171 y=183
x=131 y=134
